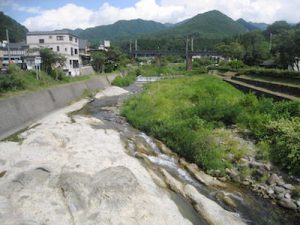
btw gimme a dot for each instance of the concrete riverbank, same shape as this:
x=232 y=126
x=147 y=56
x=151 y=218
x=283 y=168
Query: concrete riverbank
x=18 y=112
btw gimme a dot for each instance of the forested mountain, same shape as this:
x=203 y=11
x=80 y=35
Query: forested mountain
x=120 y=30
x=17 y=32
x=250 y=26
x=261 y=26
x=247 y=25
x=212 y=24
x=206 y=29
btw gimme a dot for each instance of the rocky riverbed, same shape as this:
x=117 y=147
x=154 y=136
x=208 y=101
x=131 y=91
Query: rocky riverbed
x=85 y=165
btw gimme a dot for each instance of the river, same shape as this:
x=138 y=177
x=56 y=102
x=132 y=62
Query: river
x=250 y=207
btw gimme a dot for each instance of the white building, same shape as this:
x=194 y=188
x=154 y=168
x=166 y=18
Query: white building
x=62 y=42
x=105 y=45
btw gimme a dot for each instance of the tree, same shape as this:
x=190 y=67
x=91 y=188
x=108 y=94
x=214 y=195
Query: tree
x=278 y=27
x=98 y=61
x=51 y=60
x=256 y=48
x=233 y=50
x=108 y=61
x=287 y=48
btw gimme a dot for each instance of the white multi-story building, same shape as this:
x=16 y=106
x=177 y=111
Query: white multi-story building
x=62 y=42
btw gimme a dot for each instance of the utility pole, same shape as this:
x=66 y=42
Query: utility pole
x=130 y=46
x=135 y=47
x=192 y=44
x=8 y=47
x=270 y=45
x=187 y=53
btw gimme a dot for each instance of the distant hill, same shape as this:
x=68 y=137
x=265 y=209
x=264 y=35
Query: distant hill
x=212 y=24
x=120 y=30
x=261 y=26
x=17 y=32
x=247 y=25
x=206 y=29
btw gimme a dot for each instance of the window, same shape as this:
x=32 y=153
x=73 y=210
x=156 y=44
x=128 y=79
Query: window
x=59 y=38
x=57 y=48
x=70 y=38
x=75 y=51
x=76 y=40
x=70 y=62
x=66 y=49
x=71 y=51
x=50 y=37
x=41 y=41
x=75 y=64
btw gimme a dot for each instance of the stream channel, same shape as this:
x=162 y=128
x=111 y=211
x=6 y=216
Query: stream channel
x=251 y=208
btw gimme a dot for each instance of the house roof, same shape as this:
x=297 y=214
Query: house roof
x=16 y=46
x=62 y=32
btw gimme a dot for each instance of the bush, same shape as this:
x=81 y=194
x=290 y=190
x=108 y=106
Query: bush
x=58 y=74
x=270 y=72
x=123 y=81
x=10 y=82
x=285 y=144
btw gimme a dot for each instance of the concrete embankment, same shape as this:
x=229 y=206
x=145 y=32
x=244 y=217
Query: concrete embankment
x=18 y=112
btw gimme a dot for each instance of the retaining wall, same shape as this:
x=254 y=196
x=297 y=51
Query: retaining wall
x=290 y=90
x=18 y=112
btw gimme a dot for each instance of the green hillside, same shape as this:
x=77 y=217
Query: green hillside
x=261 y=26
x=120 y=30
x=247 y=25
x=212 y=24
x=207 y=30
x=17 y=32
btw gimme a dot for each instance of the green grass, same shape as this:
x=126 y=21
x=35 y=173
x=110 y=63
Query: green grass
x=184 y=113
x=27 y=82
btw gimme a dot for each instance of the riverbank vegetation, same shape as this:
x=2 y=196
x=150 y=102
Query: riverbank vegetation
x=18 y=81
x=185 y=113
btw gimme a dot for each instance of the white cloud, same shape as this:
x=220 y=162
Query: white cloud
x=74 y=16
x=17 y=7
x=68 y=16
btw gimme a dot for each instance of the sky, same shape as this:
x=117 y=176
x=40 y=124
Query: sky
x=39 y=15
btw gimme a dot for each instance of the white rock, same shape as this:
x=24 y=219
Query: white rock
x=211 y=211
x=67 y=172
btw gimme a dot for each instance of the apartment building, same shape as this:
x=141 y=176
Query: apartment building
x=62 y=42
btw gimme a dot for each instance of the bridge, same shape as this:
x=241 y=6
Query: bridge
x=188 y=53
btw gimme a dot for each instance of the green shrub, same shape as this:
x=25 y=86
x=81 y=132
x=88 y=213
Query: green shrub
x=123 y=81
x=263 y=152
x=13 y=69
x=58 y=74
x=10 y=82
x=285 y=144
x=270 y=72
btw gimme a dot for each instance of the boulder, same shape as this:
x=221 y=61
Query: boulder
x=203 y=177
x=224 y=197
x=287 y=196
x=288 y=203
x=289 y=187
x=279 y=189
x=210 y=210
x=172 y=182
x=273 y=179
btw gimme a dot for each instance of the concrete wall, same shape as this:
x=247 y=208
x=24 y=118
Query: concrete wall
x=285 y=89
x=18 y=112
x=86 y=70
